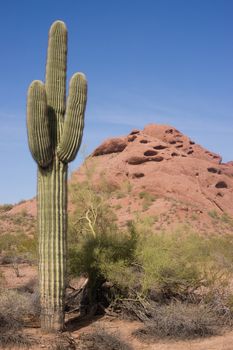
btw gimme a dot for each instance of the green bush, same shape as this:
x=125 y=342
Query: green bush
x=213 y=214
x=97 y=247
x=5 y=207
x=227 y=219
x=147 y=198
x=140 y=263
x=105 y=257
x=18 y=246
x=182 y=262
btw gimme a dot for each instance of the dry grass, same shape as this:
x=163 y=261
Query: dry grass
x=15 y=307
x=180 y=321
x=64 y=342
x=101 y=340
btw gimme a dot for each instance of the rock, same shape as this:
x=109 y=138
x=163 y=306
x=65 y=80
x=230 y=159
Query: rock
x=114 y=145
x=160 y=171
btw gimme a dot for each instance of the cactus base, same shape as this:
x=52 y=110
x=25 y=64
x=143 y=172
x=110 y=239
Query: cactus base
x=52 y=321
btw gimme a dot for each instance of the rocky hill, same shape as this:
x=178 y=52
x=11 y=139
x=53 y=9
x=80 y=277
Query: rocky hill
x=162 y=176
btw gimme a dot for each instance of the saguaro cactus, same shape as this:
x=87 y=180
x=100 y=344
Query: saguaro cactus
x=54 y=136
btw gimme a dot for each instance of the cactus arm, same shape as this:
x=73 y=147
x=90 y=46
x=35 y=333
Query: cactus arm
x=38 y=125
x=74 y=121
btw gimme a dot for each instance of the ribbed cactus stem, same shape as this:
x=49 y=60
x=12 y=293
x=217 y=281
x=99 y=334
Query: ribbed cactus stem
x=54 y=136
x=52 y=216
x=73 y=128
x=38 y=125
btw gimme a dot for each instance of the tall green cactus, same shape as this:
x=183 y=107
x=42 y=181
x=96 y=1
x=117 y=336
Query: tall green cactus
x=54 y=136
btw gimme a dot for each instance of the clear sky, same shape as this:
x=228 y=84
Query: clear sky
x=161 y=61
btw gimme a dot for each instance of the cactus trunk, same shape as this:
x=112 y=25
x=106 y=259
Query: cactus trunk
x=52 y=220
x=54 y=136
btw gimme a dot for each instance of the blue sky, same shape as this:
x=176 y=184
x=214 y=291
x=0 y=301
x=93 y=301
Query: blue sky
x=160 y=61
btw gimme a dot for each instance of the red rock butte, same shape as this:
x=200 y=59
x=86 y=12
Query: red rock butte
x=161 y=173
x=190 y=184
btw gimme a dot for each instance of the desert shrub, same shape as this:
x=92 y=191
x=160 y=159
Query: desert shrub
x=17 y=340
x=144 y=223
x=168 y=263
x=140 y=264
x=100 y=339
x=227 y=219
x=126 y=187
x=22 y=201
x=15 y=307
x=213 y=214
x=179 y=321
x=21 y=218
x=98 y=249
x=120 y=194
x=106 y=256
x=174 y=264
x=220 y=300
x=17 y=248
x=106 y=185
x=91 y=212
x=148 y=199
x=5 y=207
x=1 y=279
x=63 y=342
x=179 y=263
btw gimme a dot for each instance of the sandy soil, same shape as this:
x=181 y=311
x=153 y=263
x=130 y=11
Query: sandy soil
x=124 y=330
x=27 y=273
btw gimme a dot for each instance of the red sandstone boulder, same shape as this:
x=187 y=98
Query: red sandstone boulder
x=114 y=145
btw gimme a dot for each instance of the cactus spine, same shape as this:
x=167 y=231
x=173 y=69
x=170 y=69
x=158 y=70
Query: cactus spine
x=54 y=137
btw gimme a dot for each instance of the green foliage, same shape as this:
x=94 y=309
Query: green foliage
x=170 y=262
x=148 y=199
x=194 y=217
x=20 y=222
x=120 y=194
x=5 y=207
x=126 y=187
x=140 y=262
x=181 y=262
x=213 y=214
x=105 y=257
x=106 y=185
x=118 y=206
x=91 y=213
x=97 y=247
x=20 y=218
x=18 y=246
x=144 y=223
x=227 y=219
